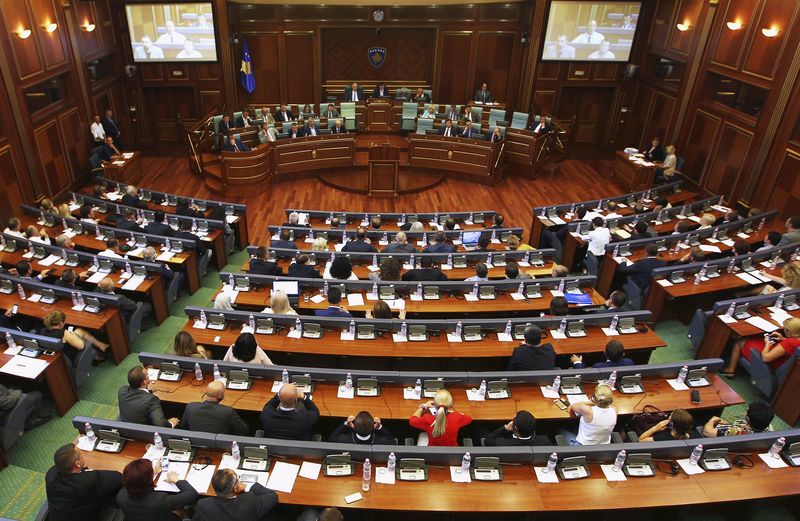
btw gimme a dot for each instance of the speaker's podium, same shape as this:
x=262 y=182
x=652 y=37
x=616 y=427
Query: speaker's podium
x=384 y=165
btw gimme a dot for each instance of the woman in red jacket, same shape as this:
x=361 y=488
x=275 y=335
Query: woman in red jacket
x=775 y=348
x=440 y=429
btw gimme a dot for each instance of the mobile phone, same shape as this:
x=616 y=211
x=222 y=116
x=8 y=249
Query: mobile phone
x=695 y=396
x=49 y=352
x=560 y=404
x=14 y=309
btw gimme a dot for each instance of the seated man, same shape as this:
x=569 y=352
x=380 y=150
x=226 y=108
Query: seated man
x=131 y=198
x=209 y=415
x=294 y=131
x=311 y=128
x=129 y=223
x=185 y=232
x=158 y=226
x=284 y=241
x=261 y=265
x=758 y=418
x=426 y=271
x=532 y=355
x=484 y=95
x=335 y=308
x=380 y=91
x=615 y=357
x=421 y=96
x=330 y=112
x=513 y=273
x=337 y=127
x=447 y=129
x=110 y=150
x=138 y=405
x=232 y=501
x=618 y=301
x=360 y=243
x=13 y=228
x=520 y=431
x=289 y=415
x=641 y=271
x=792 y=233
x=231 y=145
x=362 y=429
x=354 y=93
x=439 y=244
x=468 y=132
x=481 y=273
x=284 y=114
x=400 y=245
x=300 y=268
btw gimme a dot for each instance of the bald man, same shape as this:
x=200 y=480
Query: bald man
x=210 y=415
x=126 y=305
x=289 y=415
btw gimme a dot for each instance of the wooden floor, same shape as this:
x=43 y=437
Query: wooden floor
x=513 y=197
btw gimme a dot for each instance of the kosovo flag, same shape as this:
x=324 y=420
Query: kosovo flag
x=248 y=80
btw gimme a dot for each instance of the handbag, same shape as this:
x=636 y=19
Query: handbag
x=646 y=419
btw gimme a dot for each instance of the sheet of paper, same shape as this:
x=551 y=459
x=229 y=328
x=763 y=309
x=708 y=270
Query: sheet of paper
x=11 y=351
x=397 y=337
x=677 y=386
x=664 y=282
x=454 y=338
x=181 y=469
x=397 y=303
x=748 y=278
x=613 y=475
x=231 y=218
x=469 y=297
x=556 y=335
x=96 y=277
x=34 y=297
x=545 y=477
x=688 y=468
x=199 y=324
x=547 y=392
x=133 y=283
x=762 y=324
x=610 y=332
x=383 y=476
x=342 y=392
x=416 y=298
x=49 y=260
x=346 y=335
x=165 y=256
x=24 y=367
x=457 y=475
x=310 y=470
x=474 y=395
x=773 y=462
x=152 y=374
x=200 y=478
x=410 y=394
x=283 y=476
x=294 y=333
x=557 y=220
x=710 y=249
x=316 y=299
x=729 y=243
x=517 y=296
x=504 y=337
x=556 y=293
x=576 y=398
x=728 y=320
x=249 y=477
x=355 y=299
x=372 y=296
x=84 y=444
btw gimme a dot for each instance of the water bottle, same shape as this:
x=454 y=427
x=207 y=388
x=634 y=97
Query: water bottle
x=508 y=327
x=731 y=265
x=231 y=282
x=465 y=462
x=562 y=327
x=616 y=251
x=552 y=461
x=128 y=268
x=21 y=291
x=164 y=465
x=198 y=373
x=366 y=218
x=385 y=238
x=167 y=244
x=696 y=453
x=344 y=236
x=450 y=261
x=715 y=233
x=64 y=255
x=390 y=465
x=527 y=257
x=251 y=321
x=494 y=235
x=325 y=287
x=64 y=224
x=95 y=263
x=352 y=329
x=682 y=374
x=470 y=217
x=418 y=387
x=366 y=476
x=521 y=288
x=773 y=262
x=217 y=376
x=475 y=290
x=235 y=451
x=374 y=261
x=775 y=450
x=374 y=289
x=556 y=385
x=779 y=301
x=436 y=217
x=157 y=443
x=194 y=225
x=561 y=285
x=482 y=389
x=620 y=461
x=348 y=382
x=74 y=298
x=459 y=328
x=425 y=238
x=403 y=329
x=97 y=233
x=412 y=261
x=612 y=380
x=311 y=235
x=677 y=248
x=699 y=276
x=285 y=377
x=461 y=237
x=731 y=310
x=91 y=437
x=419 y=290
x=10 y=340
x=330 y=217
x=403 y=219
x=544 y=212
x=489 y=259
x=762 y=223
x=298 y=326
x=203 y=317
x=80 y=300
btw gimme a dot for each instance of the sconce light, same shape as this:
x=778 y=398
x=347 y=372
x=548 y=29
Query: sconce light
x=87 y=27
x=50 y=27
x=770 y=32
x=23 y=33
x=735 y=26
x=683 y=27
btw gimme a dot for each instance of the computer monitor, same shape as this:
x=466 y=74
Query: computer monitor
x=290 y=287
x=471 y=239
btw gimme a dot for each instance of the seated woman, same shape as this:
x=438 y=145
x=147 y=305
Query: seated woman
x=46 y=205
x=679 y=426
x=76 y=340
x=389 y=270
x=246 y=350
x=279 y=304
x=140 y=502
x=430 y=112
x=789 y=279
x=668 y=169
x=224 y=299
x=597 y=419
x=439 y=429
x=380 y=309
x=559 y=307
x=184 y=345
x=320 y=244
x=307 y=111
x=341 y=268
x=775 y=348
x=514 y=244
x=63 y=210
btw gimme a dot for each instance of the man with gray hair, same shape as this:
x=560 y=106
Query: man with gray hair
x=62 y=241
x=400 y=245
x=289 y=415
x=149 y=254
x=131 y=198
x=232 y=503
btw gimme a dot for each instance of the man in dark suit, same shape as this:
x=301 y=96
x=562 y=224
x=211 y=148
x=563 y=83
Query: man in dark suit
x=186 y=209
x=211 y=416
x=330 y=112
x=301 y=270
x=484 y=95
x=451 y=113
x=447 y=129
x=261 y=265
x=400 y=245
x=129 y=223
x=112 y=128
x=380 y=91
x=337 y=127
x=126 y=305
x=334 y=305
x=467 y=132
x=360 y=243
x=185 y=232
x=131 y=198
x=232 y=503
x=642 y=231
x=426 y=271
x=110 y=150
x=284 y=241
x=138 y=405
x=284 y=114
x=519 y=432
x=294 y=131
x=75 y=492
x=149 y=254
x=421 y=96
x=362 y=429
x=289 y=415
x=497 y=221
x=615 y=357
x=532 y=355
x=244 y=120
x=225 y=125
x=618 y=302
x=656 y=152
x=231 y=145
x=310 y=129
x=641 y=271
x=354 y=93
x=545 y=126
x=440 y=244
x=158 y=226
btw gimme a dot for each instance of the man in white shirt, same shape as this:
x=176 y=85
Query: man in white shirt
x=590 y=36
x=171 y=36
x=109 y=251
x=481 y=273
x=628 y=23
x=96 y=128
x=148 y=51
x=447 y=130
x=612 y=211
x=355 y=93
x=602 y=52
x=561 y=50
x=13 y=228
x=40 y=236
x=599 y=237
x=188 y=51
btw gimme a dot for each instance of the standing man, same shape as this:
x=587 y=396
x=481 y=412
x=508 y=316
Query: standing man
x=111 y=128
x=484 y=95
x=97 y=130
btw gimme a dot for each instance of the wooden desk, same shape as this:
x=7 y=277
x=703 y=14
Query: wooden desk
x=56 y=376
x=109 y=320
x=462 y=158
x=391 y=405
x=379 y=115
x=632 y=176
x=304 y=154
x=129 y=172
x=435 y=353
x=719 y=334
x=785 y=402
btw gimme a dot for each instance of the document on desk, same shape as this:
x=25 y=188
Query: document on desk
x=750 y=279
x=318 y=298
x=611 y=474
x=49 y=260
x=310 y=470
x=133 y=283
x=576 y=398
x=249 y=477
x=230 y=219
x=181 y=469
x=678 y=386
x=355 y=299
x=688 y=468
x=542 y=476
x=383 y=476
x=504 y=337
x=710 y=249
x=165 y=256
x=283 y=476
x=457 y=475
x=474 y=395
x=547 y=392
x=199 y=477
x=11 y=351
x=24 y=367
x=773 y=462
x=762 y=324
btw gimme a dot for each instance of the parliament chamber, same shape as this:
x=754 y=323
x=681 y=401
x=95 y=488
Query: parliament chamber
x=531 y=259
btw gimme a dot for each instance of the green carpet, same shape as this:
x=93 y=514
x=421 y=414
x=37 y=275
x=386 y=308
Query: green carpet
x=22 y=483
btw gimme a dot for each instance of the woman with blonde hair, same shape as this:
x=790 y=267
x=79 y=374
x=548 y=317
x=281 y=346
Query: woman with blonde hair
x=430 y=112
x=63 y=210
x=320 y=244
x=514 y=244
x=185 y=345
x=76 y=340
x=438 y=421
x=46 y=205
x=790 y=278
x=597 y=419
x=279 y=304
x=775 y=348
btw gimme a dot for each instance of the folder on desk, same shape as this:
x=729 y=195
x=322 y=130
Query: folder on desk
x=580 y=299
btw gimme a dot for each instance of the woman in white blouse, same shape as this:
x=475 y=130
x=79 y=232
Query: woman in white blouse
x=430 y=112
x=246 y=350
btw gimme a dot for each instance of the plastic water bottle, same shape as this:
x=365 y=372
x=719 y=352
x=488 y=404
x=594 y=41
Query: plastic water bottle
x=527 y=257
x=616 y=251
x=470 y=217
x=235 y=453
x=325 y=287
x=482 y=389
x=98 y=234
x=352 y=329
x=461 y=237
x=91 y=436
x=198 y=373
x=779 y=301
x=562 y=327
x=612 y=380
x=508 y=327
x=418 y=387
x=168 y=244
x=552 y=461
x=494 y=235
x=449 y=261
x=391 y=463
x=599 y=205
x=412 y=261
x=366 y=476
x=231 y=281
x=475 y=290
x=374 y=289
x=330 y=217
x=762 y=223
x=348 y=382
x=731 y=265
x=715 y=233
x=465 y=462
x=374 y=261
x=682 y=374
x=74 y=298
x=80 y=299
x=63 y=255
x=403 y=219
x=217 y=375
x=194 y=225
x=459 y=328
x=561 y=285
x=21 y=291
x=700 y=274
x=64 y=224
x=298 y=326
x=773 y=262
x=366 y=218
x=521 y=288
x=157 y=443
x=777 y=447
x=251 y=321
x=285 y=377
x=419 y=290
x=696 y=453
x=425 y=238
x=10 y=340
x=164 y=465
x=344 y=236
x=203 y=317
x=556 y=385
x=544 y=211
x=620 y=461
x=385 y=238
x=731 y=310
x=614 y=322
x=95 y=263
x=128 y=268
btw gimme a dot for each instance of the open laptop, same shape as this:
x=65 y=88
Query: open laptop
x=470 y=240
x=290 y=287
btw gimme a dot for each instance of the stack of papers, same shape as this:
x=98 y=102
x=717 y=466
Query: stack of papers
x=24 y=367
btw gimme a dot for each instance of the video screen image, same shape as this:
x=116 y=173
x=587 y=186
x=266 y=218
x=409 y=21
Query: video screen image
x=172 y=32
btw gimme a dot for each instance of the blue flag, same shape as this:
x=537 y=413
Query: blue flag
x=248 y=80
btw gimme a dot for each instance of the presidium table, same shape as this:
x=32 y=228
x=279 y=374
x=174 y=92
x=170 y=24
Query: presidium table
x=376 y=160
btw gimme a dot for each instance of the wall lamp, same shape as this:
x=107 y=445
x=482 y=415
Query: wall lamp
x=770 y=32
x=735 y=26
x=88 y=27
x=23 y=33
x=685 y=26
x=50 y=27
